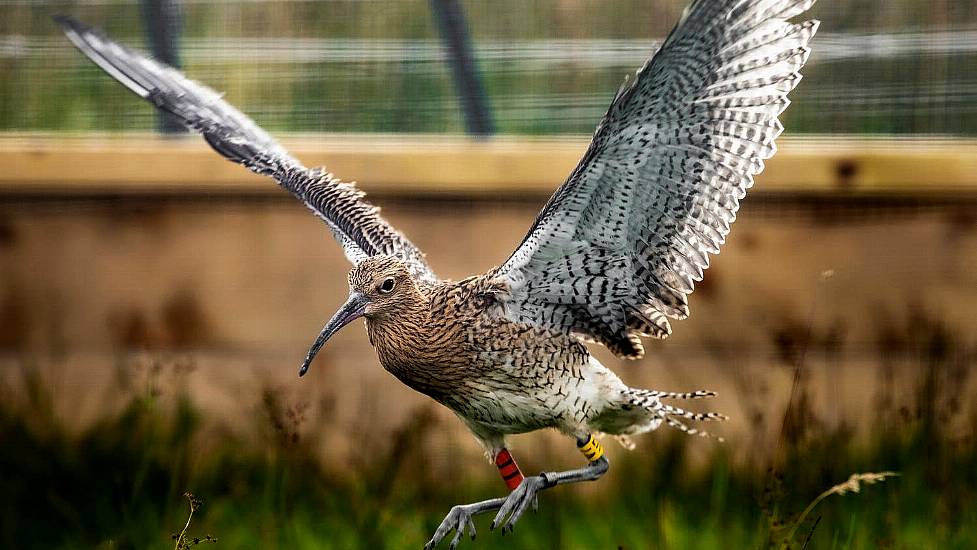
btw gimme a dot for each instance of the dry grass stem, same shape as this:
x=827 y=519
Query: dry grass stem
x=182 y=541
x=852 y=485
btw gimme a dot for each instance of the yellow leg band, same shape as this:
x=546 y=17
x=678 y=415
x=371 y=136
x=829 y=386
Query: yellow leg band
x=592 y=449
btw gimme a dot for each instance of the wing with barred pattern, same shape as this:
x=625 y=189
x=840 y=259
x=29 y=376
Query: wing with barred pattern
x=619 y=246
x=355 y=223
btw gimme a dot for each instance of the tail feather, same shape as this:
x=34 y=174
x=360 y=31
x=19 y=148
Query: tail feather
x=698 y=394
x=706 y=416
x=691 y=431
x=650 y=402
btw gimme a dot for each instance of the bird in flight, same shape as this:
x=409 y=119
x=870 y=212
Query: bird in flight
x=612 y=256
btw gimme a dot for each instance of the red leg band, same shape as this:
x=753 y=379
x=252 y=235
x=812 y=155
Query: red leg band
x=508 y=469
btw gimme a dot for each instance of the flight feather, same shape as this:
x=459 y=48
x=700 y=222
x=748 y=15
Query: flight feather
x=619 y=246
x=355 y=223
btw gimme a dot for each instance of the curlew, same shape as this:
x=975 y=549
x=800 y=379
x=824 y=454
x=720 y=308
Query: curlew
x=611 y=257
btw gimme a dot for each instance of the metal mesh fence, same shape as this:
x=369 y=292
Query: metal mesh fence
x=548 y=66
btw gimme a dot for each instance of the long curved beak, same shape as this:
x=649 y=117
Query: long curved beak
x=353 y=309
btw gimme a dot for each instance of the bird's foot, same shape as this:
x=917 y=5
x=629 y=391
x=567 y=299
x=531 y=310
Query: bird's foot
x=519 y=500
x=458 y=519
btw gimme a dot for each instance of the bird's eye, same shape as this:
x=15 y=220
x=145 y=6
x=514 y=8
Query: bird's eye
x=387 y=285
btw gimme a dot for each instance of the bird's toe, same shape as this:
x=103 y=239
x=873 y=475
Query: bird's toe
x=457 y=520
x=518 y=501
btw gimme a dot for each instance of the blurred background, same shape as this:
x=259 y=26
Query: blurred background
x=156 y=300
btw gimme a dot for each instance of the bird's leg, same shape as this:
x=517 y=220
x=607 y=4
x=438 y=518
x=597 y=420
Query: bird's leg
x=460 y=517
x=508 y=469
x=524 y=495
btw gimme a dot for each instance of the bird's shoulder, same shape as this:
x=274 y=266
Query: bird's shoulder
x=470 y=297
x=474 y=307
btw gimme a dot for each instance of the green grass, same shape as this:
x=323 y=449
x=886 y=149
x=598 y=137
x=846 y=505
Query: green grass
x=120 y=484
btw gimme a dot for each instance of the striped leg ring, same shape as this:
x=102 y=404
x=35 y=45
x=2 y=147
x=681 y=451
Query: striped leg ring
x=592 y=449
x=508 y=469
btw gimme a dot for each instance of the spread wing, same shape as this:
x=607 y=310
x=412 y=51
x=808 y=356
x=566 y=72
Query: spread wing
x=618 y=247
x=355 y=223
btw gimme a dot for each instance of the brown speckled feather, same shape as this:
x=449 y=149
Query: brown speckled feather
x=453 y=342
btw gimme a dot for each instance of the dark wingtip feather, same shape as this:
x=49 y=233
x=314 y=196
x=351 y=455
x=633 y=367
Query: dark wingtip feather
x=90 y=42
x=69 y=23
x=64 y=20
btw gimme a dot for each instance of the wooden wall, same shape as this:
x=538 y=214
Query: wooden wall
x=97 y=286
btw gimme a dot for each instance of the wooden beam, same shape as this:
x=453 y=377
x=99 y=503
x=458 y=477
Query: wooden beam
x=440 y=165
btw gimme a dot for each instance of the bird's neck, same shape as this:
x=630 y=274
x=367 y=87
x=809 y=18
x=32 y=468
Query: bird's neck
x=399 y=336
x=409 y=346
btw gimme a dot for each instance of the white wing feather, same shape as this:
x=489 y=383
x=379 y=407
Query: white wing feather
x=620 y=245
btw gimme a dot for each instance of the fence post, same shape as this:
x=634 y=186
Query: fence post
x=454 y=34
x=163 y=20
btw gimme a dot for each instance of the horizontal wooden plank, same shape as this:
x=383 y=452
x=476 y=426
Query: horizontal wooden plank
x=447 y=165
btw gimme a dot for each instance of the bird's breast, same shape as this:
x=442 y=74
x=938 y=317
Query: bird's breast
x=431 y=357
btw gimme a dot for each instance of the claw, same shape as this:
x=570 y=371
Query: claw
x=519 y=500
x=459 y=520
x=457 y=538
x=510 y=509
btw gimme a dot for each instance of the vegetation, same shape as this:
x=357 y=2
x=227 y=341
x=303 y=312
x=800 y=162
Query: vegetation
x=120 y=483
x=350 y=66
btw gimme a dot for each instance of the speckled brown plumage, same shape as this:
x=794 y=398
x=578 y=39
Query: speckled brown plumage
x=453 y=342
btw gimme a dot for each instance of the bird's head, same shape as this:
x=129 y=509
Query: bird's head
x=386 y=285
x=379 y=287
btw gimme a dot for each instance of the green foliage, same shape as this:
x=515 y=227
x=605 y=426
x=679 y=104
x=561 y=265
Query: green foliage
x=121 y=484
